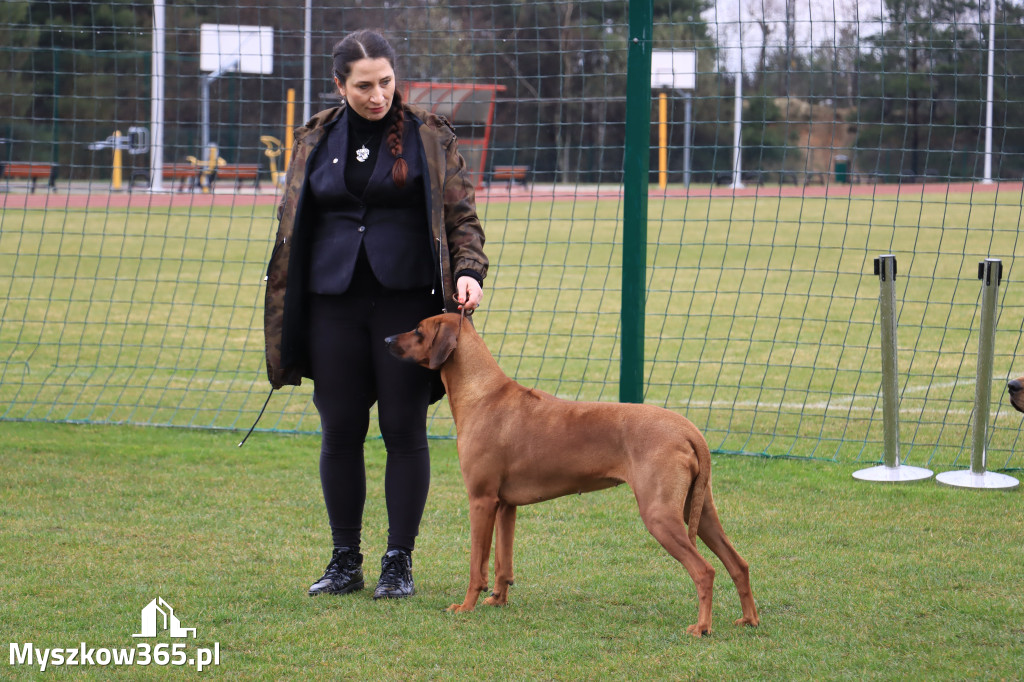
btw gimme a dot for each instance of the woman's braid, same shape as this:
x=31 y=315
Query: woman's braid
x=401 y=168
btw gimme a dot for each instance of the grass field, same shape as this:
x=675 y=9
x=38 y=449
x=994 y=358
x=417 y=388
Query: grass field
x=761 y=317
x=853 y=580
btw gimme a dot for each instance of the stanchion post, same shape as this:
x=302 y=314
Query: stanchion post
x=891 y=471
x=990 y=272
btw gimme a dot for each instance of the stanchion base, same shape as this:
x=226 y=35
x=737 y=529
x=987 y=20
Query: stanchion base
x=897 y=474
x=989 y=480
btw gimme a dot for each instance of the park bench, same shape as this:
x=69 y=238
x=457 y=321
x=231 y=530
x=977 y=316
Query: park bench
x=237 y=172
x=30 y=170
x=184 y=173
x=511 y=174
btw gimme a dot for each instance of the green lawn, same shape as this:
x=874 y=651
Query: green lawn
x=761 y=319
x=853 y=580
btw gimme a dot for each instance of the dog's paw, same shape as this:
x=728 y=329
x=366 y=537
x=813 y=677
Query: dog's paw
x=495 y=600
x=459 y=608
x=698 y=630
x=752 y=622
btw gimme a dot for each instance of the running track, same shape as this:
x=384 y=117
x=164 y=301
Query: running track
x=85 y=199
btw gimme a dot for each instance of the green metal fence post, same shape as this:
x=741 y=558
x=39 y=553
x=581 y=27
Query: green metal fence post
x=635 y=180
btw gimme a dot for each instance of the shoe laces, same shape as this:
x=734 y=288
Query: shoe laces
x=339 y=563
x=394 y=567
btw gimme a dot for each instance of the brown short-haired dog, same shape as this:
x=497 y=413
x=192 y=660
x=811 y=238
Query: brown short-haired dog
x=520 y=446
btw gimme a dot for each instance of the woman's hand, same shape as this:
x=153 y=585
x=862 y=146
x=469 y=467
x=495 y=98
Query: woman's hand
x=469 y=293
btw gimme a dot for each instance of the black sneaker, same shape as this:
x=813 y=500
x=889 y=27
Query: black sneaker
x=344 y=573
x=395 y=576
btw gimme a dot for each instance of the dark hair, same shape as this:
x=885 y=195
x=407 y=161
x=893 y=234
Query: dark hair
x=367 y=44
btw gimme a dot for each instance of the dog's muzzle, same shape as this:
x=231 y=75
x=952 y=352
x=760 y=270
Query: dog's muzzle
x=1016 y=390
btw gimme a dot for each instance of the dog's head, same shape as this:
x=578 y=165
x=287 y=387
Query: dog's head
x=430 y=343
x=1016 y=390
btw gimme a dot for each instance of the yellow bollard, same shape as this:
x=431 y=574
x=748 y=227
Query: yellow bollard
x=289 y=129
x=662 y=140
x=117 y=175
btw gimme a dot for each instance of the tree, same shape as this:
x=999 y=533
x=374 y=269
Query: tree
x=920 y=89
x=564 y=66
x=73 y=61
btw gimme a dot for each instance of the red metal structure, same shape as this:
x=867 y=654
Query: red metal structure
x=470 y=108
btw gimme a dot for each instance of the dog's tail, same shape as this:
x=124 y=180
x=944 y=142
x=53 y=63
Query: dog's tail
x=700 y=484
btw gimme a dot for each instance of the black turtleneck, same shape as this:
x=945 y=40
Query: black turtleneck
x=362 y=133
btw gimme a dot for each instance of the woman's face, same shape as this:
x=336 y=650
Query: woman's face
x=369 y=88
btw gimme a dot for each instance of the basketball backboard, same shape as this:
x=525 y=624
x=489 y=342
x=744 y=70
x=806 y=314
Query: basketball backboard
x=225 y=47
x=676 y=69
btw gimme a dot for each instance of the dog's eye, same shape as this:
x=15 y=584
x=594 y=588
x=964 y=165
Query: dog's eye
x=418 y=333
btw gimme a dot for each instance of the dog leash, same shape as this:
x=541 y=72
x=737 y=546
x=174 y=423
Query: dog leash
x=258 y=417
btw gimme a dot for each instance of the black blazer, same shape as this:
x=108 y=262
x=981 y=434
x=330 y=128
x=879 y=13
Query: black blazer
x=389 y=223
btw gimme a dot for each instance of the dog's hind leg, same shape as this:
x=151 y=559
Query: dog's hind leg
x=713 y=535
x=505 y=528
x=664 y=519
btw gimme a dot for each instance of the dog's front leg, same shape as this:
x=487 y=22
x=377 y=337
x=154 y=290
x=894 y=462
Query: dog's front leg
x=482 y=511
x=504 y=535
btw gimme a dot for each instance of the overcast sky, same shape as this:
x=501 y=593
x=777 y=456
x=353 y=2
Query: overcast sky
x=816 y=22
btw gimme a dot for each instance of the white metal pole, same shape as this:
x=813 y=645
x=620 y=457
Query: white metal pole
x=737 y=170
x=687 y=135
x=307 y=64
x=987 y=179
x=204 y=110
x=156 y=150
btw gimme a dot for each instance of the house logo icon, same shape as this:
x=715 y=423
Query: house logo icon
x=157 y=615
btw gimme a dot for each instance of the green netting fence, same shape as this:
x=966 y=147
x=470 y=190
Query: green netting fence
x=884 y=127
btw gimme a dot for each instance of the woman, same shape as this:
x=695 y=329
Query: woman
x=378 y=230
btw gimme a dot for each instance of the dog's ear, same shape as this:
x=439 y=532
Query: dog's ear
x=442 y=345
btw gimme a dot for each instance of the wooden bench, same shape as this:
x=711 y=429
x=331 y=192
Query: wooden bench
x=511 y=174
x=32 y=171
x=237 y=172
x=183 y=172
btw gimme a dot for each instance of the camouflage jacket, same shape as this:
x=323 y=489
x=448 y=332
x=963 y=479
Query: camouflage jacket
x=458 y=237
